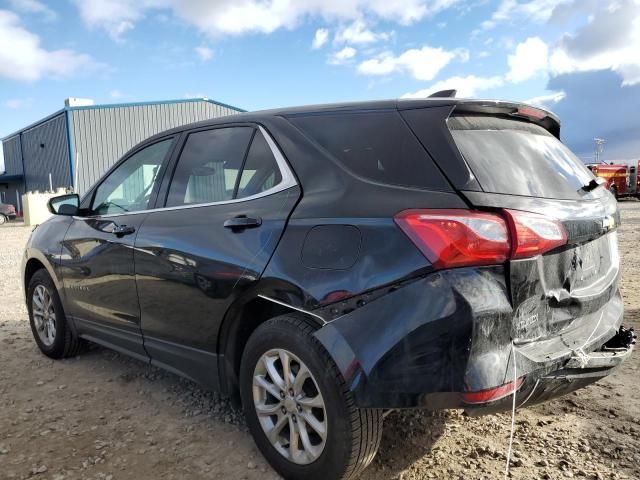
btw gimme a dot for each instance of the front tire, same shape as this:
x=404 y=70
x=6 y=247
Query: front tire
x=49 y=324
x=3 y=219
x=304 y=422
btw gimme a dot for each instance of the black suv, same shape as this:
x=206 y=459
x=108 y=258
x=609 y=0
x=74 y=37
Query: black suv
x=325 y=264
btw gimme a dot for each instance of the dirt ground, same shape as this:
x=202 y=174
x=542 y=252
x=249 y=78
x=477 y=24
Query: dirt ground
x=104 y=416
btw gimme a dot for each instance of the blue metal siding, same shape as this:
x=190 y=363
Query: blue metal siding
x=45 y=151
x=12 y=156
x=103 y=134
x=13 y=166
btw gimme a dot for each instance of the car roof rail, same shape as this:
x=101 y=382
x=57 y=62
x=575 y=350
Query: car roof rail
x=444 y=94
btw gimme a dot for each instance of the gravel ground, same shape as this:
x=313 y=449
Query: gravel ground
x=104 y=416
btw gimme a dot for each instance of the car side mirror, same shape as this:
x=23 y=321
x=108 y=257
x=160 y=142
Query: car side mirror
x=65 y=204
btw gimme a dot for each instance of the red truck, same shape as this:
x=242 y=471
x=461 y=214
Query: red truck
x=621 y=178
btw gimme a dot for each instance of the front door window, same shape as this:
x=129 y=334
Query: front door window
x=128 y=188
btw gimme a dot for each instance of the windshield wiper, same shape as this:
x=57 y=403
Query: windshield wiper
x=593 y=184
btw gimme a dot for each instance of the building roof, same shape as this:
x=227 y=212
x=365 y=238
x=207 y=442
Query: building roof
x=117 y=105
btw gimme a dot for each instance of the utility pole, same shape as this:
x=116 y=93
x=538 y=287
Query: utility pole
x=598 y=144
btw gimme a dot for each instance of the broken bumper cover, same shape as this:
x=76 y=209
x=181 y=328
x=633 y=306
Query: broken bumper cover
x=431 y=343
x=579 y=371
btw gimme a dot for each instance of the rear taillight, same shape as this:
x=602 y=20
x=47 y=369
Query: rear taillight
x=534 y=234
x=455 y=238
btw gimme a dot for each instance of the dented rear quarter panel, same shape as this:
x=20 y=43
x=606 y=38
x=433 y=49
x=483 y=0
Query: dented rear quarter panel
x=448 y=332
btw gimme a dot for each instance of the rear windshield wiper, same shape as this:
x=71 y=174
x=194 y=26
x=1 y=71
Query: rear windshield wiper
x=593 y=184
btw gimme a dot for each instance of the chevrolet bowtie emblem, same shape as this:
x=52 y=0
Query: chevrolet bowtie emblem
x=608 y=223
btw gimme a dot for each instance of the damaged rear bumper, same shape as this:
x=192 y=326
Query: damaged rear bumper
x=579 y=371
x=433 y=341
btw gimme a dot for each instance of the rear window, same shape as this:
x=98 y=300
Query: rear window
x=374 y=145
x=518 y=157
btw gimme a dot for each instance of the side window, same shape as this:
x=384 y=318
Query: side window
x=260 y=171
x=375 y=145
x=128 y=188
x=209 y=166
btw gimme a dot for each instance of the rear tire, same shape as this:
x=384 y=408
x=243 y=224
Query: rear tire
x=614 y=192
x=49 y=324
x=351 y=435
x=3 y=219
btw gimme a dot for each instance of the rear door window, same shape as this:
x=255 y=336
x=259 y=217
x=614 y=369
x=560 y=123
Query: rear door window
x=375 y=145
x=209 y=166
x=518 y=157
x=261 y=171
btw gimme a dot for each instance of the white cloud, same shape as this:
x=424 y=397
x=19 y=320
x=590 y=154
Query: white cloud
x=204 y=52
x=16 y=103
x=423 y=64
x=609 y=41
x=358 y=33
x=34 y=7
x=117 y=94
x=231 y=17
x=342 y=56
x=529 y=59
x=538 y=11
x=114 y=16
x=466 y=87
x=320 y=38
x=546 y=100
x=23 y=58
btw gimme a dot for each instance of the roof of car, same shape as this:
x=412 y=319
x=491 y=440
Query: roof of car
x=400 y=104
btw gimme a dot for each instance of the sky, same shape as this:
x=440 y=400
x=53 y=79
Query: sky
x=578 y=58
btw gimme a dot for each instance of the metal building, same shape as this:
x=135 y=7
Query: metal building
x=74 y=146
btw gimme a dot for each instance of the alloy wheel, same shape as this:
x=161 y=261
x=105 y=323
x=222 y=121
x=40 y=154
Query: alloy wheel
x=44 y=315
x=289 y=406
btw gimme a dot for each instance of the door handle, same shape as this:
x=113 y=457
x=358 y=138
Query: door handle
x=122 y=230
x=241 y=222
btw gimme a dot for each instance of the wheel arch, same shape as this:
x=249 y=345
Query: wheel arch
x=35 y=262
x=241 y=320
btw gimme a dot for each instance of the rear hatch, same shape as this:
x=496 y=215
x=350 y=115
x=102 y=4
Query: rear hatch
x=507 y=156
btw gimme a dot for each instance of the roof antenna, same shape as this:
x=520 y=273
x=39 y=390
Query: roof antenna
x=444 y=94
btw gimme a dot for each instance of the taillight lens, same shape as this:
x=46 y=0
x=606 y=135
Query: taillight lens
x=455 y=238
x=533 y=234
x=492 y=394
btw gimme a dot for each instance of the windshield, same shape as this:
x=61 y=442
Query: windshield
x=517 y=157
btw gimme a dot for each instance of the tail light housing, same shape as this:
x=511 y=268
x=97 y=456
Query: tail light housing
x=492 y=394
x=456 y=238
x=534 y=234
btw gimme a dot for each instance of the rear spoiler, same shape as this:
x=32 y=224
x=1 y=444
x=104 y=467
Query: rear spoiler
x=546 y=119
